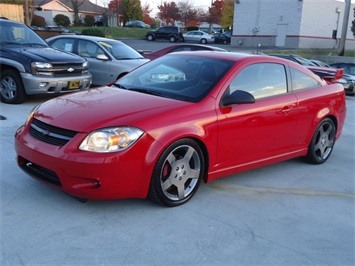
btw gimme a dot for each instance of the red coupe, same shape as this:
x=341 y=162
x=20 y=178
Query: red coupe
x=179 y=120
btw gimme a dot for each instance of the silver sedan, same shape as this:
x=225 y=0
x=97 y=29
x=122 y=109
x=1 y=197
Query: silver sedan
x=198 y=36
x=108 y=59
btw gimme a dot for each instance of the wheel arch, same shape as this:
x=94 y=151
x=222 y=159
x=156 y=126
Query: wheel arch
x=323 y=114
x=158 y=148
x=11 y=64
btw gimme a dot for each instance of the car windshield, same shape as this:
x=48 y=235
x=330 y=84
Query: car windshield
x=121 y=51
x=15 y=33
x=186 y=78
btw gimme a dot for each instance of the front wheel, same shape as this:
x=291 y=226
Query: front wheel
x=322 y=143
x=203 y=41
x=11 y=87
x=172 y=39
x=177 y=173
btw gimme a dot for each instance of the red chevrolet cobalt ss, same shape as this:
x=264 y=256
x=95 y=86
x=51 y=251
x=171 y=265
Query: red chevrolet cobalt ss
x=180 y=119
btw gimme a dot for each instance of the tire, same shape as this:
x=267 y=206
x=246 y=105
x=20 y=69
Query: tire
x=322 y=142
x=150 y=37
x=225 y=42
x=172 y=39
x=11 y=87
x=177 y=173
x=203 y=41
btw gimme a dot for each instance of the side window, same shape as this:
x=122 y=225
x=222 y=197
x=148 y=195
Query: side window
x=89 y=49
x=261 y=80
x=301 y=81
x=64 y=44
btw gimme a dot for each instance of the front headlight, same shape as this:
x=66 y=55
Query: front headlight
x=86 y=64
x=111 y=139
x=30 y=115
x=41 y=68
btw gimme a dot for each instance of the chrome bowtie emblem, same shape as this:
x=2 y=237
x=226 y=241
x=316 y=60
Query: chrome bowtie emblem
x=45 y=132
x=70 y=69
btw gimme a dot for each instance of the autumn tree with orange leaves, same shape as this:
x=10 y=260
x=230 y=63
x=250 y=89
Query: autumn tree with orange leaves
x=169 y=12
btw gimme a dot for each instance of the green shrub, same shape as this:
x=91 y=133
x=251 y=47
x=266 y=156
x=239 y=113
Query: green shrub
x=38 y=21
x=93 y=32
x=61 y=20
x=89 y=20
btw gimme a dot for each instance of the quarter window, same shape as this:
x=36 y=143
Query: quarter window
x=301 y=81
x=261 y=80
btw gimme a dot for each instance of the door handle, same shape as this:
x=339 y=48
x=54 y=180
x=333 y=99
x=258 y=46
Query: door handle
x=286 y=110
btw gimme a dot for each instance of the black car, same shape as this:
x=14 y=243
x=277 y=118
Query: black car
x=171 y=33
x=63 y=30
x=348 y=76
x=296 y=58
x=224 y=37
x=136 y=24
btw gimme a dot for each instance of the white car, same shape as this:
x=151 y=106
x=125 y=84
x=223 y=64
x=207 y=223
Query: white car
x=198 y=36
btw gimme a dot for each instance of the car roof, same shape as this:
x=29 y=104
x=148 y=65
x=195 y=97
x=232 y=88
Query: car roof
x=232 y=56
x=83 y=37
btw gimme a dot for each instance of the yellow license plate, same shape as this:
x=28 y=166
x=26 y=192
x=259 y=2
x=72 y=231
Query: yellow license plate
x=74 y=84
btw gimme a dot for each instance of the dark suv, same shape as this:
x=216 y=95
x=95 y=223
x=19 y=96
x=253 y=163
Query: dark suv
x=170 y=33
x=29 y=66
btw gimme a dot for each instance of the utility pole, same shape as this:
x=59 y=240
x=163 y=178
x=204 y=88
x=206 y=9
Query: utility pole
x=345 y=27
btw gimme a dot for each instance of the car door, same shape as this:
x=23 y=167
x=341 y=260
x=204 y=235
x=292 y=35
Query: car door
x=99 y=69
x=162 y=33
x=189 y=36
x=250 y=133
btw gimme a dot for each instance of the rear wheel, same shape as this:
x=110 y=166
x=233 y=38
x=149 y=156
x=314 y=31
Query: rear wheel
x=322 y=142
x=177 y=174
x=150 y=37
x=203 y=41
x=11 y=87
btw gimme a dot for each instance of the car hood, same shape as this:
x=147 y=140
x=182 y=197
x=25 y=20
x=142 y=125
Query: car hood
x=103 y=107
x=46 y=54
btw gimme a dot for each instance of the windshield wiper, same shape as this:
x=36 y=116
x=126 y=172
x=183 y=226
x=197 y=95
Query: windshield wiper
x=118 y=85
x=33 y=44
x=11 y=43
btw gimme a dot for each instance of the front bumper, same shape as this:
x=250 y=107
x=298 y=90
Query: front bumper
x=83 y=174
x=350 y=89
x=43 y=85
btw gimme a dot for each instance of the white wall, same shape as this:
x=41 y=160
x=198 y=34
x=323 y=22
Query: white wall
x=308 y=23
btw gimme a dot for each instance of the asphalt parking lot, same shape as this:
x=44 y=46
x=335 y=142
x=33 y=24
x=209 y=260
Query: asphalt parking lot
x=291 y=213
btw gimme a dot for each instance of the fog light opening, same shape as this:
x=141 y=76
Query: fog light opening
x=42 y=85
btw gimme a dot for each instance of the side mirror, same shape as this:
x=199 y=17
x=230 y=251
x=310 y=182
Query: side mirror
x=102 y=57
x=238 y=97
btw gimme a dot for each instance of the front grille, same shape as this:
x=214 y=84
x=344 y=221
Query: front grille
x=64 y=69
x=50 y=134
x=39 y=172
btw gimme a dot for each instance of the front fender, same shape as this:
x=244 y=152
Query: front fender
x=12 y=63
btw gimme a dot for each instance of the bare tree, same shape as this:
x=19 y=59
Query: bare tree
x=76 y=4
x=188 y=13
